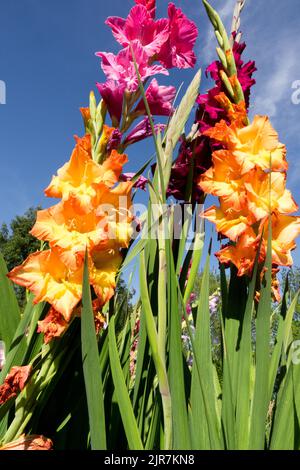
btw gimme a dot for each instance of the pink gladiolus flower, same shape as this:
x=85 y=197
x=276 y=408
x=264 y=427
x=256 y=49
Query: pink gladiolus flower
x=149 y=4
x=141 y=131
x=160 y=99
x=140 y=183
x=114 y=141
x=121 y=67
x=112 y=93
x=178 y=50
x=140 y=26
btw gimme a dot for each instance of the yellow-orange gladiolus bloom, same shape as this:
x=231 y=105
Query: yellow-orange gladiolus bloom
x=224 y=180
x=285 y=229
x=229 y=223
x=256 y=144
x=266 y=193
x=44 y=274
x=243 y=254
x=69 y=231
x=107 y=223
x=81 y=177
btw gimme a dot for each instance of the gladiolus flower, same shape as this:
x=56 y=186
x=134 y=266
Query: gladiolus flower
x=112 y=93
x=81 y=177
x=140 y=26
x=71 y=232
x=178 y=50
x=243 y=254
x=44 y=274
x=140 y=183
x=121 y=67
x=256 y=144
x=285 y=229
x=230 y=224
x=100 y=320
x=160 y=99
x=33 y=442
x=224 y=180
x=14 y=382
x=114 y=141
x=141 y=131
x=53 y=325
x=266 y=193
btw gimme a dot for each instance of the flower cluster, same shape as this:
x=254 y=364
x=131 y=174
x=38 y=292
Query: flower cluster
x=198 y=150
x=249 y=177
x=153 y=46
x=94 y=216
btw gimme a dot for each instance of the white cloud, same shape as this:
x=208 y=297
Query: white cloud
x=277 y=83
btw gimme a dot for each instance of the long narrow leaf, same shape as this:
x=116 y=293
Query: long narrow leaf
x=125 y=406
x=91 y=368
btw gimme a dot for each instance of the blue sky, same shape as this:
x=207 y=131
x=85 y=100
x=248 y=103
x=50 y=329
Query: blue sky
x=48 y=64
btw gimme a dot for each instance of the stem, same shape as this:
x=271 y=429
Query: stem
x=158 y=362
x=28 y=399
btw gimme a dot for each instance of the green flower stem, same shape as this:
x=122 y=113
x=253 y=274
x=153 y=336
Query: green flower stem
x=29 y=398
x=162 y=295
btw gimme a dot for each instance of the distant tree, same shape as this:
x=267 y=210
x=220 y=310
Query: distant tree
x=16 y=243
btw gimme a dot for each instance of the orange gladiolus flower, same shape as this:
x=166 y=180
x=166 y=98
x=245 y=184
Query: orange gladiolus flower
x=69 y=231
x=285 y=229
x=243 y=254
x=82 y=178
x=256 y=144
x=229 y=223
x=44 y=274
x=266 y=193
x=53 y=325
x=72 y=232
x=14 y=382
x=33 y=442
x=224 y=180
